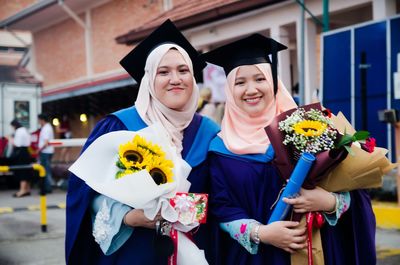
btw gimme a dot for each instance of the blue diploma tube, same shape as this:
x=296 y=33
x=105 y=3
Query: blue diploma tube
x=293 y=186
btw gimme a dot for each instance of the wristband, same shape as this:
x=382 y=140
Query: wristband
x=336 y=204
x=124 y=221
x=158 y=227
x=256 y=238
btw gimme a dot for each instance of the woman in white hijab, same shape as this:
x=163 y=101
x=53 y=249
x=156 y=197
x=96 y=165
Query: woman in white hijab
x=165 y=64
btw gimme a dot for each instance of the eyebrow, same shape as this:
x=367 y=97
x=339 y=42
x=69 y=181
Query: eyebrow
x=167 y=66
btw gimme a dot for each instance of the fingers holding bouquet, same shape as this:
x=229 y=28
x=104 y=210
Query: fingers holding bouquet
x=316 y=199
x=137 y=218
x=287 y=235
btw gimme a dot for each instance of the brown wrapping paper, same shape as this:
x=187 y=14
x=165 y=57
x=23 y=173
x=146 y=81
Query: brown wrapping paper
x=362 y=170
x=300 y=257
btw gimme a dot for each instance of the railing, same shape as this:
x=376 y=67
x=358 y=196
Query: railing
x=43 y=200
x=67 y=142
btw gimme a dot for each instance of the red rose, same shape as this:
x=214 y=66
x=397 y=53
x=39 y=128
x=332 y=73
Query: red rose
x=369 y=145
x=327 y=112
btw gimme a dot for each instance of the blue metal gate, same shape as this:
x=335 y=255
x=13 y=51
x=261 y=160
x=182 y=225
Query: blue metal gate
x=357 y=75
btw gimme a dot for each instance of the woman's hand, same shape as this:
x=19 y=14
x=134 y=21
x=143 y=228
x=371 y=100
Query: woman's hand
x=316 y=199
x=286 y=235
x=136 y=218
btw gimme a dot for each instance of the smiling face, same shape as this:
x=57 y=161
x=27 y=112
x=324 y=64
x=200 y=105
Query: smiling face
x=173 y=83
x=250 y=91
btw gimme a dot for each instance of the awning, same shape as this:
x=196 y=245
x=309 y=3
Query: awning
x=88 y=88
x=42 y=13
x=93 y=99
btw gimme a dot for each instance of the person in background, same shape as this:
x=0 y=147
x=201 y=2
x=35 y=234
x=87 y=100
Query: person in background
x=20 y=156
x=245 y=182
x=164 y=64
x=206 y=107
x=45 y=150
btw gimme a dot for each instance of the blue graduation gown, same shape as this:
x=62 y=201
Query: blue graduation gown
x=80 y=247
x=243 y=187
x=246 y=186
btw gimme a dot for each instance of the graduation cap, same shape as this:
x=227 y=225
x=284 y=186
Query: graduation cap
x=253 y=49
x=135 y=61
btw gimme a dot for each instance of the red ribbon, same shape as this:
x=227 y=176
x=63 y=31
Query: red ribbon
x=312 y=219
x=172 y=260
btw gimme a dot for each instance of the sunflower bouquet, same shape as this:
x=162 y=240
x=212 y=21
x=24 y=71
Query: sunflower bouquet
x=329 y=140
x=140 y=169
x=346 y=159
x=308 y=131
x=312 y=131
x=141 y=154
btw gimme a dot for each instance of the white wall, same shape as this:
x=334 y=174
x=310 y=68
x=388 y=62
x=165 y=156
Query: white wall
x=12 y=93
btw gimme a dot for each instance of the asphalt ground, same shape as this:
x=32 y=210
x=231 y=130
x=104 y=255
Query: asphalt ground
x=23 y=243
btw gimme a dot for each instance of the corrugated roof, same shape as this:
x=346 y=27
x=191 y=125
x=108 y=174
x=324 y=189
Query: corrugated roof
x=193 y=13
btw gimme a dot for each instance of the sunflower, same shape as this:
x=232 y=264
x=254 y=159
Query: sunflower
x=139 y=154
x=154 y=149
x=134 y=153
x=160 y=170
x=310 y=128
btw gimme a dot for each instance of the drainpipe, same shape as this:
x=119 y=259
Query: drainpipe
x=302 y=56
x=325 y=18
x=2 y=109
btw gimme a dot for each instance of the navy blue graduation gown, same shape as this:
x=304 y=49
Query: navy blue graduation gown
x=138 y=249
x=247 y=186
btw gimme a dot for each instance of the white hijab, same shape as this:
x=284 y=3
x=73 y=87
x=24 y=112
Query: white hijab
x=151 y=110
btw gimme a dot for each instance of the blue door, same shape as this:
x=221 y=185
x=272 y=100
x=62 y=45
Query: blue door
x=370 y=76
x=394 y=51
x=369 y=55
x=336 y=75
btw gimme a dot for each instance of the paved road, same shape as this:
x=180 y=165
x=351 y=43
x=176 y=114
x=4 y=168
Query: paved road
x=21 y=239
x=23 y=243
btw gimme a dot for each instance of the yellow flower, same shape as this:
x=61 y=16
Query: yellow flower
x=139 y=154
x=154 y=149
x=135 y=152
x=310 y=128
x=160 y=170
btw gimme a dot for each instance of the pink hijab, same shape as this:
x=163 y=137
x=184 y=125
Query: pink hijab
x=243 y=134
x=151 y=110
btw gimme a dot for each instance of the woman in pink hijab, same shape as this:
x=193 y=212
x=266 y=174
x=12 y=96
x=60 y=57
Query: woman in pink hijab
x=245 y=184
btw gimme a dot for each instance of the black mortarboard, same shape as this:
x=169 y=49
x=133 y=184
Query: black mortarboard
x=253 y=49
x=135 y=61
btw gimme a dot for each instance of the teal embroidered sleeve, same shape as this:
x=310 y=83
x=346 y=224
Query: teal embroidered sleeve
x=107 y=220
x=343 y=200
x=240 y=230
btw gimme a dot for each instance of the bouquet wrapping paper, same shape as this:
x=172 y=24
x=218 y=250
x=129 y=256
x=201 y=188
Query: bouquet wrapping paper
x=97 y=167
x=362 y=170
x=333 y=170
